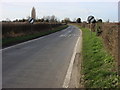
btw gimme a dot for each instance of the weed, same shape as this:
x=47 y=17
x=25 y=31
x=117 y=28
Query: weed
x=97 y=63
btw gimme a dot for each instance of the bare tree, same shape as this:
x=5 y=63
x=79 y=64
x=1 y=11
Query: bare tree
x=8 y=20
x=52 y=18
x=74 y=20
x=46 y=18
x=66 y=20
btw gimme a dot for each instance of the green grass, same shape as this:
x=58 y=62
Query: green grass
x=98 y=65
x=15 y=40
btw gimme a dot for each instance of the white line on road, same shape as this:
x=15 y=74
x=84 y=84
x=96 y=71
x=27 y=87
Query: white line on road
x=69 y=71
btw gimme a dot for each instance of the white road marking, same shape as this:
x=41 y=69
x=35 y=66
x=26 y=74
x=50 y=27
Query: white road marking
x=67 y=34
x=69 y=71
x=62 y=36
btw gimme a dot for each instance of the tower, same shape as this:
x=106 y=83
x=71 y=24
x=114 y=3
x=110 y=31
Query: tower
x=33 y=13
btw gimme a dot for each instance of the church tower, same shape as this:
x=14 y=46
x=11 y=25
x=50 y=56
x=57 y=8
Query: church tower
x=33 y=13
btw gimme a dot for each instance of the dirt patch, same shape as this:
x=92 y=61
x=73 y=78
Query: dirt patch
x=75 y=81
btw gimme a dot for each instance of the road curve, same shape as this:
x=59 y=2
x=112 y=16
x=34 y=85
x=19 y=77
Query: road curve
x=41 y=63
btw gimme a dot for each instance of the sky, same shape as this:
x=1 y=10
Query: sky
x=119 y=11
x=100 y=10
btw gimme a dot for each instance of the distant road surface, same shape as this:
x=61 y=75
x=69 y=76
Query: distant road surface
x=41 y=63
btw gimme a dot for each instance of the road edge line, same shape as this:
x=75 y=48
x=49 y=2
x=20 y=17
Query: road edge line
x=69 y=71
x=22 y=43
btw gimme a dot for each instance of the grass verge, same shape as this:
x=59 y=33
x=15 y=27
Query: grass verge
x=98 y=65
x=15 y=40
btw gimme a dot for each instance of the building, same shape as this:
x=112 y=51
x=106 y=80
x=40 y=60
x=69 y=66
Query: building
x=33 y=13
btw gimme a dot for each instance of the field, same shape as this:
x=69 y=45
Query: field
x=13 y=33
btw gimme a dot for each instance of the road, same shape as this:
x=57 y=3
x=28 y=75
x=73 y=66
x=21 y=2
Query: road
x=41 y=63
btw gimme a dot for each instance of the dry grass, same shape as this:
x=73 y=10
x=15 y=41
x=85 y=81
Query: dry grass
x=109 y=35
x=13 y=33
x=110 y=38
x=21 y=29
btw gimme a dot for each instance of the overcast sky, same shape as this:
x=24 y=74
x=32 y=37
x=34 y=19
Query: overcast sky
x=18 y=10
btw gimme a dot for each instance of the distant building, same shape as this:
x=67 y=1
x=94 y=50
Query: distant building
x=33 y=13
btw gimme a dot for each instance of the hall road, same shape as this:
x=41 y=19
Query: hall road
x=40 y=63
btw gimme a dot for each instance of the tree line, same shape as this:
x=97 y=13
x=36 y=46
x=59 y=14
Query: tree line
x=52 y=18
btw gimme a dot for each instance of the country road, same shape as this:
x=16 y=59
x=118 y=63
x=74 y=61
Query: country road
x=41 y=63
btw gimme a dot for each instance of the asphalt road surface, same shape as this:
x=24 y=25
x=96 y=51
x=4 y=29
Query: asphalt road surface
x=41 y=63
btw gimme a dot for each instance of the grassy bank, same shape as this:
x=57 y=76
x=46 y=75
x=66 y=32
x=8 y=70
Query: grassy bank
x=98 y=66
x=14 y=40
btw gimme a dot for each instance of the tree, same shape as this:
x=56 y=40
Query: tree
x=74 y=20
x=42 y=20
x=78 y=20
x=15 y=20
x=66 y=20
x=99 y=20
x=8 y=20
x=23 y=20
x=52 y=18
x=46 y=18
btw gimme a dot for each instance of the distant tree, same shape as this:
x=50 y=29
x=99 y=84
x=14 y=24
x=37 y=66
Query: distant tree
x=74 y=20
x=46 y=18
x=42 y=20
x=52 y=18
x=8 y=20
x=38 y=20
x=23 y=20
x=99 y=20
x=78 y=20
x=58 y=20
x=16 y=20
x=66 y=20
x=62 y=21
x=19 y=20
